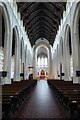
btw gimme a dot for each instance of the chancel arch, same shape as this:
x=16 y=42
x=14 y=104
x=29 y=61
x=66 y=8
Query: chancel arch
x=35 y=55
x=42 y=61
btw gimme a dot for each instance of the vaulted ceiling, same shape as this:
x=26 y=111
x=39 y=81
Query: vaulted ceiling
x=41 y=19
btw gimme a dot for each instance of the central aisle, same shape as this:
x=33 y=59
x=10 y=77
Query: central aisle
x=42 y=103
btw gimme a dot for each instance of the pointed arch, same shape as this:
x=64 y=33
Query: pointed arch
x=76 y=42
x=7 y=39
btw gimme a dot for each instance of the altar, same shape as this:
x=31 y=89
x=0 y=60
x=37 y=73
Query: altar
x=42 y=75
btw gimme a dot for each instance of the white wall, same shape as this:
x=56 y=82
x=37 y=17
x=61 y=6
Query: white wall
x=15 y=21
x=68 y=17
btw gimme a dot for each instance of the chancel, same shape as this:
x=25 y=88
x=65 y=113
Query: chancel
x=40 y=59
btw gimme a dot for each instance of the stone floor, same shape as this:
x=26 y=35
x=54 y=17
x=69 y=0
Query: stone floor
x=42 y=103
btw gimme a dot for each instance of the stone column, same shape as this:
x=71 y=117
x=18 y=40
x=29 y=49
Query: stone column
x=57 y=63
x=17 y=64
x=64 y=59
x=22 y=70
x=7 y=56
x=25 y=64
x=17 y=60
x=76 y=58
x=22 y=58
x=33 y=63
x=65 y=64
x=50 y=63
x=67 y=75
x=76 y=45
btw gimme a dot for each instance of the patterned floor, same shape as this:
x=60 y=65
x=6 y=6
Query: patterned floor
x=42 y=103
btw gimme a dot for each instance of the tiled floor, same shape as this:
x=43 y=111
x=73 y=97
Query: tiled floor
x=42 y=103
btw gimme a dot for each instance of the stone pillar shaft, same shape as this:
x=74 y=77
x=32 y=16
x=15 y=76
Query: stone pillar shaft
x=7 y=57
x=17 y=62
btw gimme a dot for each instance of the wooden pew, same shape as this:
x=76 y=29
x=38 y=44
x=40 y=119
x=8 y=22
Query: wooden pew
x=13 y=96
x=68 y=94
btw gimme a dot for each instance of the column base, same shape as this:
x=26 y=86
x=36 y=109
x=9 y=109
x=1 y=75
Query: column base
x=16 y=79
x=76 y=80
x=25 y=77
x=5 y=81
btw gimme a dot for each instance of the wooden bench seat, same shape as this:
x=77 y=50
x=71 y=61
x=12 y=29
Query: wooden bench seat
x=13 y=96
x=68 y=94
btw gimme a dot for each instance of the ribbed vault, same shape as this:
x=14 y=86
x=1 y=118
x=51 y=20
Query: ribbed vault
x=41 y=19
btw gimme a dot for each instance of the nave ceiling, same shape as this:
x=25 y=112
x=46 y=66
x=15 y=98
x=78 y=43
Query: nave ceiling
x=41 y=19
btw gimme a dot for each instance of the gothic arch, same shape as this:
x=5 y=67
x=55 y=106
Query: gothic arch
x=16 y=53
x=67 y=52
x=36 y=47
x=76 y=24
x=7 y=24
x=76 y=42
x=15 y=41
x=7 y=41
x=6 y=33
x=68 y=42
x=76 y=20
